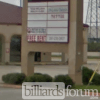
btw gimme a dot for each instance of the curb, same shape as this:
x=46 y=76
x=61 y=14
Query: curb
x=90 y=94
x=11 y=86
x=94 y=94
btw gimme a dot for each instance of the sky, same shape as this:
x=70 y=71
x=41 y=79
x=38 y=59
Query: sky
x=17 y=2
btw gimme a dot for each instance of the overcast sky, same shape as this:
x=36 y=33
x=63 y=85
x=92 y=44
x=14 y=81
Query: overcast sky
x=17 y=2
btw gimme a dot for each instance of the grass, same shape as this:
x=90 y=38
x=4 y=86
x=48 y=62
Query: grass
x=95 y=57
x=89 y=87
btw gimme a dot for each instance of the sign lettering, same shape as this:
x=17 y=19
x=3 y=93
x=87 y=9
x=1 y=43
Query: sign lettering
x=48 y=22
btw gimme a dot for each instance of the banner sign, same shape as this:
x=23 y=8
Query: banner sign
x=48 y=22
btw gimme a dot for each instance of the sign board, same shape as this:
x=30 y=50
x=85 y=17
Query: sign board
x=48 y=22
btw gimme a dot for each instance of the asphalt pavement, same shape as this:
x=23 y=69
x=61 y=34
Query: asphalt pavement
x=16 y=94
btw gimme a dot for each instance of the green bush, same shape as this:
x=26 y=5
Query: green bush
x=94 y=47
x=86 y=75
x=19 y=78
x=38 y=74
x=6 y=78
x=96 y=80
x=37 y=77
x=47 y=78
x=64 y=78
x=14 y=78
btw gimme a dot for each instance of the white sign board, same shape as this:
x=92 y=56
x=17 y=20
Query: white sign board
x=48 y=22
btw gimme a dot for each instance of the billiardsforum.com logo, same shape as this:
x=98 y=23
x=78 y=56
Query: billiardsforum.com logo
x=54 y=90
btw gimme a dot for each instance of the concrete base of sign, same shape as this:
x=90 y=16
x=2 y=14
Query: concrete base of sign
x=77 y=78
x=29 y=70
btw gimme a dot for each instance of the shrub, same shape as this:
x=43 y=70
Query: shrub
x=19 y=78
x=96 y=80
x=37 y=73
x=29 y=79
x=14 y=78
x=47 y=78
x=6 y=78
x=94 y=47
x=64 y=78
x=3 y=77
x=86 y=75
x=37 y=77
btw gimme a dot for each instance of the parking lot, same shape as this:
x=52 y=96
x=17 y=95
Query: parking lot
x=47 y=69
x=52 y=70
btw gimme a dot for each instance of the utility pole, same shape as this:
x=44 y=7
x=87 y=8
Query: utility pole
x=93 y=19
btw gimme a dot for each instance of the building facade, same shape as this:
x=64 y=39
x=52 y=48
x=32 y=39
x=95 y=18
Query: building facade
x=11 y=26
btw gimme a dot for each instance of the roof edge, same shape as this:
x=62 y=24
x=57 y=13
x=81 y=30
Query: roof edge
x=85 y=25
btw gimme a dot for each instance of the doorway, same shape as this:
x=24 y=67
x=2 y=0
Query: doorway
x=15 y=49
x=38 y=57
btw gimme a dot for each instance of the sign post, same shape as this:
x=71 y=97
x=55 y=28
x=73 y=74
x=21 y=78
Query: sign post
x=53 y=26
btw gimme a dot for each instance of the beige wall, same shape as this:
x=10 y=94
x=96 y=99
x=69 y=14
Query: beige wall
x=45 y=57
x=8 y=31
